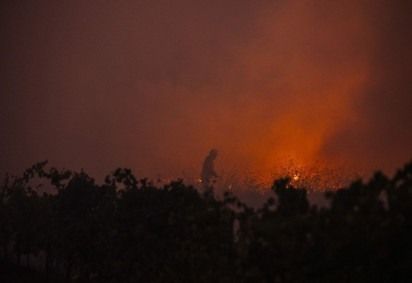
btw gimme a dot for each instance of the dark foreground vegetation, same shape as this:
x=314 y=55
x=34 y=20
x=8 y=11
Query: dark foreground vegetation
x=128 y=230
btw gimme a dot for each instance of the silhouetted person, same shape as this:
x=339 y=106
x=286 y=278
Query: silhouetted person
x=208 y=174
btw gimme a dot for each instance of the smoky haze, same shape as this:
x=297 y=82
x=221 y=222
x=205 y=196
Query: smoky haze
x=154 y=85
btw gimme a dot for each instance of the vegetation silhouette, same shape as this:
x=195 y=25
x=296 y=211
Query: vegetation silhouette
x=129 y=230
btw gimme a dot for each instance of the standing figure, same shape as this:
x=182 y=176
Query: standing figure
x=208 y=175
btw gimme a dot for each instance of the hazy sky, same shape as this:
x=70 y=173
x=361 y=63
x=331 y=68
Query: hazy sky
x=154 y=85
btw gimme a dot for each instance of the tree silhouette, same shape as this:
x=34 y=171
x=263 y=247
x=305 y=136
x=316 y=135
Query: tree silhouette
x=129 y=230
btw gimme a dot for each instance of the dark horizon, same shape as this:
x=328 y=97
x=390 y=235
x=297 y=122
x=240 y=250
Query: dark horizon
x=127 y=230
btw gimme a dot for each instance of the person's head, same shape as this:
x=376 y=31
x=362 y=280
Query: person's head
x=213 y=153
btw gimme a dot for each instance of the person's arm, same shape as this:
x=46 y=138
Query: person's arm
x=214 y=173
x=209 y=168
